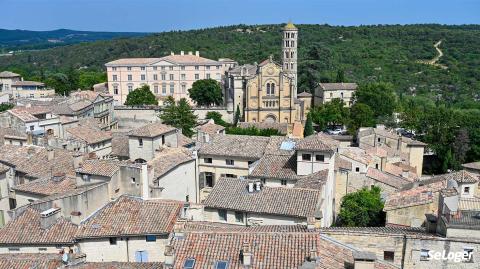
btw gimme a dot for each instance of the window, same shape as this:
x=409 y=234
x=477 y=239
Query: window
x=208 y=67
x=164 y=89
x=283 y=182
x=114 y=69
x=134 y=180
x=114 y=77
x=151 y=238
x=129 y=68
x=389 y=256
x=306 y=157
x=357 y=169
x=155 y=68
x=163 y=67
x=208 y=76
x=222 y=215
x=189 y=264
x=424 y=256
x=142 y=68
x=229 y=162
x=182 y=68
x=207 y=160
x=376 y=166
x=197 y=76
x=155 y=77
x=319 y=158
x=171 y=77
x=129 y=77
x=42 y=249
x=32 y=127
x=183 y=76
x=12 y=203
x=13 y=249
x=466 y=190
x=140 y=142
x=163 y=77
x=115 y=89
x=468 y=254
x=171 y=68
x=239 y=216
x=113 y=240
x=172 y=88
x=196 y=67
x=155 y=89
x=221 y=265
x=208 y=179
x=142 y=77
x=184 y=88
x=130 y=88
x=230 y=175
x=218 y=67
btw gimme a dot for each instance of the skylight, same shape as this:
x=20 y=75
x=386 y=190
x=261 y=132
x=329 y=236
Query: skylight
x=287 y=145
x=189 y=264
x=221 y=265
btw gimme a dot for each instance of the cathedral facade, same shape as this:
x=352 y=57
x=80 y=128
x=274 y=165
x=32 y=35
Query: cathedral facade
x=267 y=92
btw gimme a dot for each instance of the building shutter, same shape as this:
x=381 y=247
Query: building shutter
x=201 y=183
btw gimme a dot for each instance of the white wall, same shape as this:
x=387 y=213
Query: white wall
x=180 y=182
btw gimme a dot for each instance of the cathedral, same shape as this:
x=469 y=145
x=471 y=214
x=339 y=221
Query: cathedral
x=267 y=92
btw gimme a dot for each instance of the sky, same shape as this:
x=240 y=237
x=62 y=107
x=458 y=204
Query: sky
x=166 y=15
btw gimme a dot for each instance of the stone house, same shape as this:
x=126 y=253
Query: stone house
x=87 y=140
x=35 y=120
x=326 y=92
x=207 y=130
x=144 y=142
x=128 y=229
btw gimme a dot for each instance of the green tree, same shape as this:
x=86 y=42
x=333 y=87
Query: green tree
x=141 y=96
x=253 y=131
x=363 y=208
x=330 y=113
x=86 y=79
x=308 y=130
x=5 y=107
x=340 y=76
x=236 y=118
x=206 y=92
x=179 y=115
x=378 y=96
x=361 y=115
x=217 y=118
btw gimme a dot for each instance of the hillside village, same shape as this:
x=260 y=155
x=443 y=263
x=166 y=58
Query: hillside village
x=88 y=182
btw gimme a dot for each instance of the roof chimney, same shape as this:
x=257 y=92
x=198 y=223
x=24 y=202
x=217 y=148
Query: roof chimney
x=364 y=260
x=246 y=255
x=190 y=53
x=77 y=160
x=182 y=53
x=172 y=53
x=169 y=256
x=48 y=217
x=50 y=154
x=250 y=187
x=197 y=53
x=258 y=186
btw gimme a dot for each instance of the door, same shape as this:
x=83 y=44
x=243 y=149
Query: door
x=141 y=256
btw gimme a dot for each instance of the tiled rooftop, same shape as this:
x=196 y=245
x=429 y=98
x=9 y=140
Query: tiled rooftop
x=131 y=216
x=152 y=130
x=47 y=186
x=210 y=128
x=474 y=165
x=8 y=74
x=89 y=135
x=317 y=142
x=338 y=86
x=118 y=265
x=10 y=132
x=27 y=230
x=176 y=59
x=386 y=178
x=106 y=168
x=415 y=196
x=120 y=145
x=232 y=193
x=30 y=261
x=168 y=159
x=243 y=146
x=33 y=160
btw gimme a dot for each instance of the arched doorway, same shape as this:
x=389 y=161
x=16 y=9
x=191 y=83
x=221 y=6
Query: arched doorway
x=270 y=119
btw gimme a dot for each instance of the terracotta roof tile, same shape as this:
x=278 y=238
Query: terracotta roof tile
x=338 y=86
x=89 y=135
x=243 y=146
x=317 y=142
x=120 y=146
x=26 y=230
x=47 y=186
x=474 y=165
x=131 y=216
x=413 y=197
x=28 y=261
x=106 y=168
x=386 y=178
x=152 y=130
x=210 y=128
x=232 y=193
x=118 y=265
x=168 y=159
x=8 y=74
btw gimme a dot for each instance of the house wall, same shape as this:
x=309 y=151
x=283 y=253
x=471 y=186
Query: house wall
x=180 y=182
x=378 y=243
x=150 y=145
x=100 y=249
x=253 y=219
x=38 y=249
x=312 y=166
x=102 y=149
x=4 y=205
x=413 y=216
x=416 y=159
x=323 y=96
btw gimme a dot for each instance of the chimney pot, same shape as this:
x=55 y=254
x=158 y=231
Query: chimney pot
x=197 y=53
x=182 y=52
x=250 y=187
x=190 y=53
x=48 y=217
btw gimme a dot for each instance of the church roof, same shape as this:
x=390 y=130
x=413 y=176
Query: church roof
x=290 y=26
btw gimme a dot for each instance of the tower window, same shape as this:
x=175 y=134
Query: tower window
x=286 y=54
